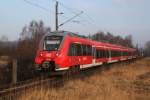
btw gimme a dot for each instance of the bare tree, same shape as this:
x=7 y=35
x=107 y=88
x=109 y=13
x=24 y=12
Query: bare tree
x=110 y=38
x=128 y=41
x=4 y=38
x=27 y=47
x=30 y=37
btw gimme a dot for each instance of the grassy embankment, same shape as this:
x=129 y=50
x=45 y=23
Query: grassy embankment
x=120 y=82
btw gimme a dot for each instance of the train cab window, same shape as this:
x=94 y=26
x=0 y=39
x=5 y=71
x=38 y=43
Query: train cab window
x=52 y=43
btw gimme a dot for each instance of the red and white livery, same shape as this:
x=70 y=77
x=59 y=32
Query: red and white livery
x=63 y=50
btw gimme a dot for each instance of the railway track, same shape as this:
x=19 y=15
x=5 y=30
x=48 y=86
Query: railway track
x=44 y=81
x=13 y=92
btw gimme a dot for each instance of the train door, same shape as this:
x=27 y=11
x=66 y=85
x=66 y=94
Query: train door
x=94 y=54
x=121 y=55
x=109 y=59
x=73 y=54
x=78 y=53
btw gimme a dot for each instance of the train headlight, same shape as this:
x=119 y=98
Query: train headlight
x=41 y=54
x=57 y=53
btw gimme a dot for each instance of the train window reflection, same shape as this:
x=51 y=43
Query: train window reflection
x=52 y=43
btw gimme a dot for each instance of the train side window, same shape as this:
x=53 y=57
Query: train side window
x=111 y=53
x=120 y=53
x=72 y=50
x=78 y=51
x=93 y=52
x=97 y=54
x=84 y=50
x=116 y=53
x=89 y=50
x=104 y=54
x=107 y=52
x=101 y=53
x=124 y=53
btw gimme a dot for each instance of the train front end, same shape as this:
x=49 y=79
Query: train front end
x=47 y=52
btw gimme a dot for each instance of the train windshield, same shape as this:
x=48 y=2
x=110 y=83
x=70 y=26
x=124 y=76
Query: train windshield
x=52 y=43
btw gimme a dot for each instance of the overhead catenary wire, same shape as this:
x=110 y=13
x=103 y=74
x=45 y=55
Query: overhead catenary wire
x=46 y=9
x=71 y=10
x=68 y=8
x=36 y=5
x=87 y=18
x=41 y=7
x=71 y=18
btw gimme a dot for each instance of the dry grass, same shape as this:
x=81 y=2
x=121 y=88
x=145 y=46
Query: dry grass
x=120 y=82
x=3 y=62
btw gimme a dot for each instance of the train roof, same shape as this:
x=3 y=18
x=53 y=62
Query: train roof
x=113 y=46
x=96 y=43
x=63 y=33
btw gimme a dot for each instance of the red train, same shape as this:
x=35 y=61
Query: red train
x=64 y=50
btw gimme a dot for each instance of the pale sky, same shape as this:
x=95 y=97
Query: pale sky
x=121 y=17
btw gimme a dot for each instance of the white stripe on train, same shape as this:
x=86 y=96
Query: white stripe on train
x=93 y=64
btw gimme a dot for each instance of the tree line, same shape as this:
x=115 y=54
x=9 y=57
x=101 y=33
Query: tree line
x=110 y=38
